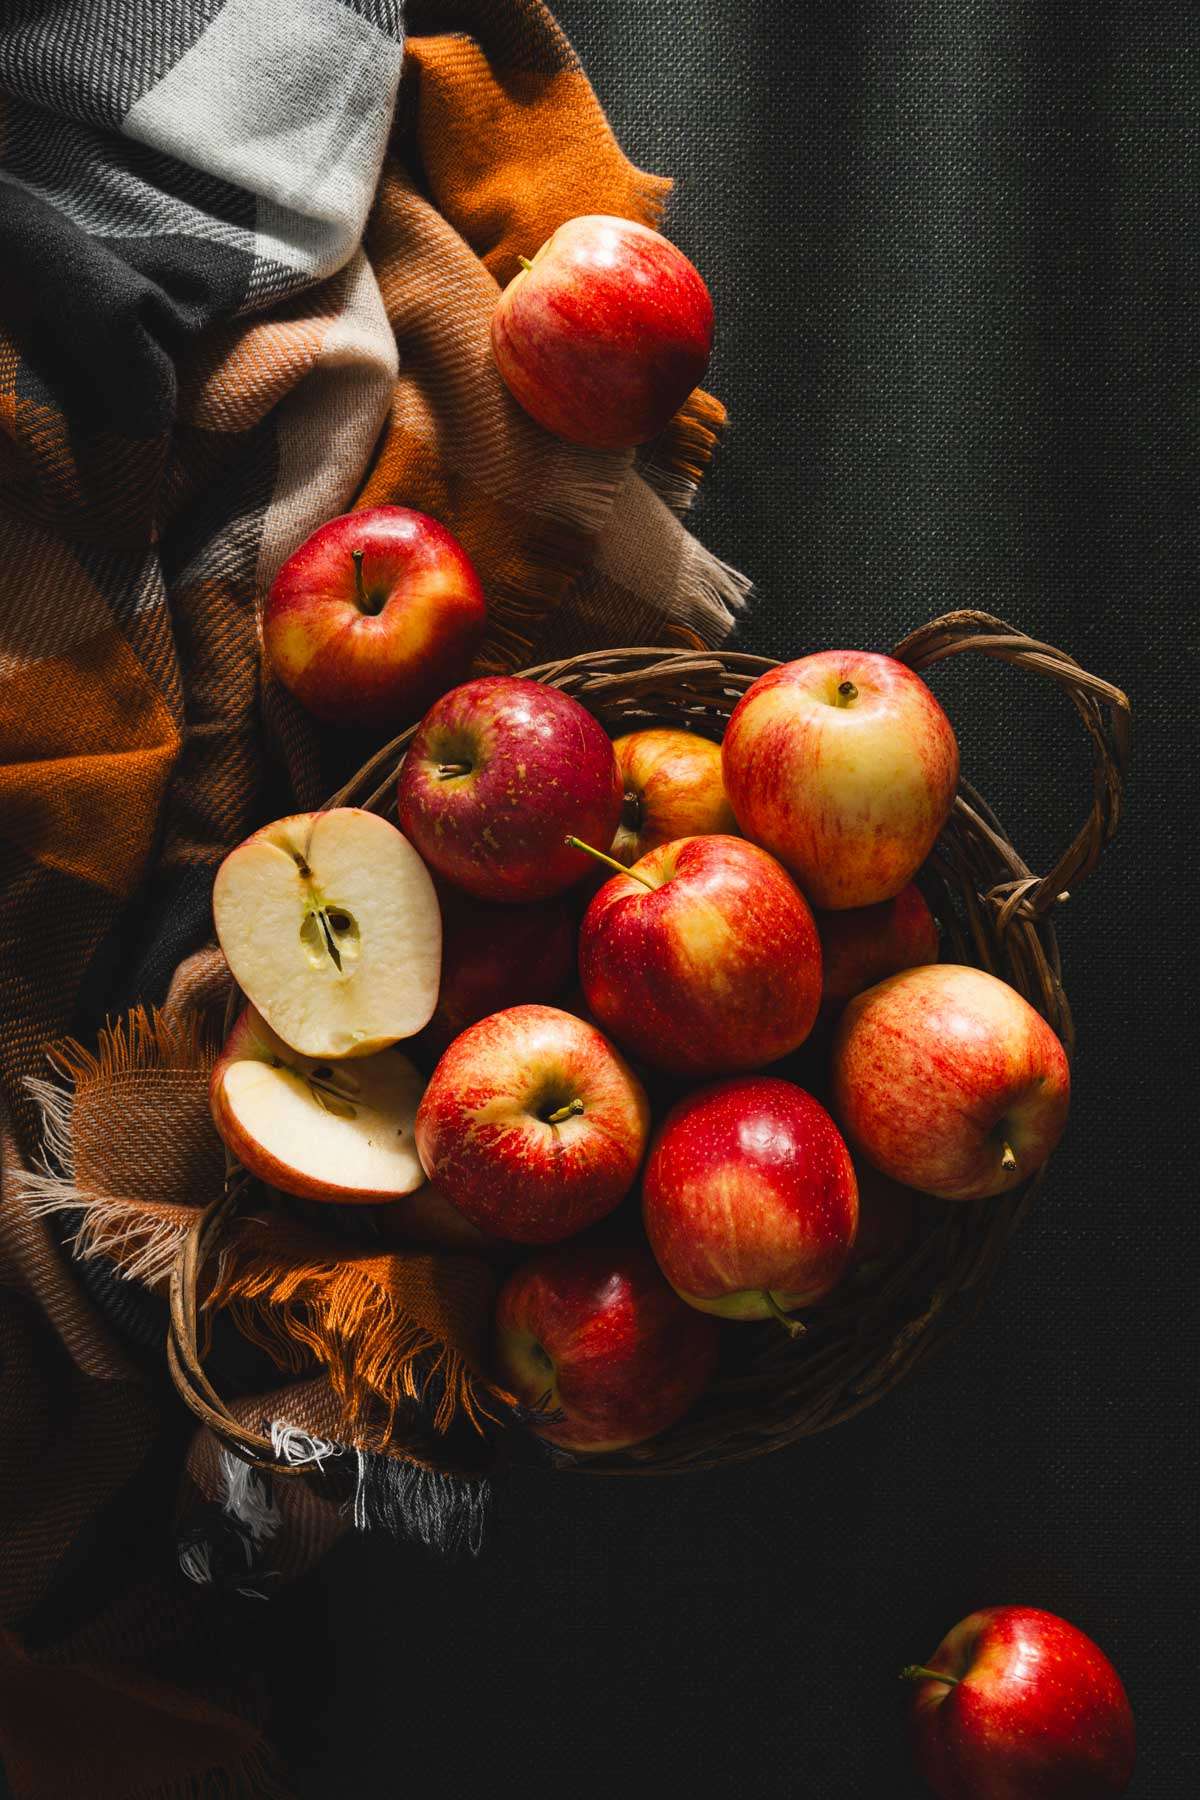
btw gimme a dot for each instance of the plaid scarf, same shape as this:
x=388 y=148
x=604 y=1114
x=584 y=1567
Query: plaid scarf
x=249 y=256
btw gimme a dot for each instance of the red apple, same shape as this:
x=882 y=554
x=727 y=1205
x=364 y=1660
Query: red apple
x=500 y=772
x=886 y=1215
x=749 y=1199
x=947 y=1080
x=596 y=1334
x=673 y=789
x=865 y=944
x=703 y=958
x=376 y=613
x=427 y=1217
x=533 y=1125
x=496 y=956
x=845 y=767
x=602 y=337
x=1018 y=1705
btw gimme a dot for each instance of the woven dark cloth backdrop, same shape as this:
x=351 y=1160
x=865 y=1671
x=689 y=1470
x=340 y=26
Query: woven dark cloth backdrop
x=955 y=253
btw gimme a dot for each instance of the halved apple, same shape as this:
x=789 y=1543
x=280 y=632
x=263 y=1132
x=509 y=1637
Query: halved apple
x=330 y=924
x=322 y=1130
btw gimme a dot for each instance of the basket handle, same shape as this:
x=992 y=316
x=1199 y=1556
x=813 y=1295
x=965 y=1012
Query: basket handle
x=1104 y=710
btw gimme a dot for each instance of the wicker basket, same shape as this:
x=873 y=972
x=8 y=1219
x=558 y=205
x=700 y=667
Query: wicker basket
x=993 y=911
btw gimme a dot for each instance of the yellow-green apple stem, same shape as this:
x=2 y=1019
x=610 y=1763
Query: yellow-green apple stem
x=917 y=1672
x=793 y=1327
x=578 y=844
x=846 y=693
x=524 y=262
x=1008 y=1159
x=571 y=1110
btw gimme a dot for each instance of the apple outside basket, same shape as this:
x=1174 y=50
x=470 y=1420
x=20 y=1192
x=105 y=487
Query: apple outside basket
x=993 y=912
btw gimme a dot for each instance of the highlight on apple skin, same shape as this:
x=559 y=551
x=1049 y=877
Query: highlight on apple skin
x=1016 y=1704
x=947 y=1080
x=339 y=1132
x=673 y=788
x=863 y=945
x=499 y=773
x=533 y=1125
x=845 y=767
x=373 y=615
x=595 y=1335
x=749 y=1199
x=604 y=334
x=331 y=928
x=703 y=959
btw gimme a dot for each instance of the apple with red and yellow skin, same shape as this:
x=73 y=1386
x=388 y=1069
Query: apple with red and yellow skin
x=703 y=958
x=341 y=1132
x=749 y=1199
x=865 y=944
x=493 y=957
x=372 y=616
x=886 y=1216
x=533 y=1125
x=595 y=1334
x=845 y=767
x=426 y=1217
x=947 y=1080
x=602 y=337
x=673 y=788
x=501 y=770
x=1017 y=1704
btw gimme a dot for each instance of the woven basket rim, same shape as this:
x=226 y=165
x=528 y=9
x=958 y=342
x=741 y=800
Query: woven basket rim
x=995 y=910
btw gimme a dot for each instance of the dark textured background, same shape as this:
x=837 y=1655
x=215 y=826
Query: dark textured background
x=954 y=249
x=954 y=252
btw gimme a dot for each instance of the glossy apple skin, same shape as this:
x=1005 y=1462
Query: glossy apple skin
x=849 y=796
x=673 y=788
x=748 y=1190
x=605 y=336
x=717 y=969
x=494 y=957
x=482 y=1134
x=596 y=1333
x=381 y=666
x=937 y=1068
x=1039 y=1713
x=865 y=944
x=540 y=769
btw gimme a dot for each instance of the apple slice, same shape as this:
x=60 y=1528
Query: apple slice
x=322 y=1130
x=330 y=924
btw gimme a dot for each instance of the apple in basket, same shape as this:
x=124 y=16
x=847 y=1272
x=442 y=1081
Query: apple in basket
x=673 y=788
x=865 y=944
x=749 y=1199
x=372 y=616
x=533 y=1125
x=1016 y=1704
x=330 y=924
x=845 y=767
x=702 y=958
x=500 y=771
x=602 y=337
x=595 y=1336
x=947 y=1080
x=496 y=956
x=340 y=1131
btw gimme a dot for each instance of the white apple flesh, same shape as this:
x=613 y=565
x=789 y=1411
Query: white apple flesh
x=331 y=926
x=340 y=1132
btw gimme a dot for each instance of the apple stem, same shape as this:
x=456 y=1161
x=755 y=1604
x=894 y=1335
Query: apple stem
x=600 y=856
x=793 y=1327
x=447 y=771
x=571 y=1110
x=918 y=1672
x=360 y=590
x=846 y=693
x=525 y=262
x=1008 y=1159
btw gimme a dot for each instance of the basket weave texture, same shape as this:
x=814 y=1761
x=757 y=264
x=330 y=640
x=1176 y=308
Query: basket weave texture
x=993 y=910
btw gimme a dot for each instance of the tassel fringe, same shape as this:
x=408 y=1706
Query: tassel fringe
x=441 y=1511
x=677 y=462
